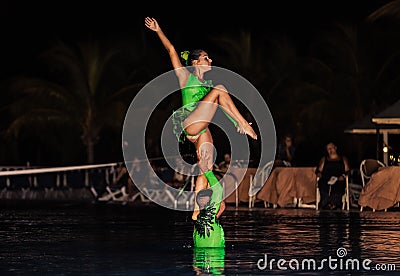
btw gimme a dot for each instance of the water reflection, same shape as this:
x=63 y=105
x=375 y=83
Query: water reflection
x=145 y=240
x=209 y=261
x=333 y=232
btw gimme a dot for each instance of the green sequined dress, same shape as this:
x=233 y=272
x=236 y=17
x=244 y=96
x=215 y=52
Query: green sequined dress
x=208 y=232
x=192 y=93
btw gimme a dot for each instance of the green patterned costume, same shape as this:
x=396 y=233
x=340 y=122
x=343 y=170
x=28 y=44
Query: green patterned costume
x=192 y=93
x=208 y=232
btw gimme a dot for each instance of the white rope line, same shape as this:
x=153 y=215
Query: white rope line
x=56 y=169
x=19 y=170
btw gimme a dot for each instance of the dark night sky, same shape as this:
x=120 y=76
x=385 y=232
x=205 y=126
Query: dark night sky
x=89 y=14
x=40 y=19
x=26 y=26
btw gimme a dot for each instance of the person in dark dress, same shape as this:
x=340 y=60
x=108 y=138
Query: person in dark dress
x=331 y=173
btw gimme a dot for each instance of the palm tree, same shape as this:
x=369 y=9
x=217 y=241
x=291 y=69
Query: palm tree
x=390 y=10
x=273 y=65
x=241 y=55
x=384 y=23
x=82 y=86
x=362 y=57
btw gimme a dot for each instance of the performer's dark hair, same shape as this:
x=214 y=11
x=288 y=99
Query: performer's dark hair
x=193 y=55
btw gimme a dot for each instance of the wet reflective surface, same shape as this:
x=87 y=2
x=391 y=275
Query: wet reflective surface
x=147 y=240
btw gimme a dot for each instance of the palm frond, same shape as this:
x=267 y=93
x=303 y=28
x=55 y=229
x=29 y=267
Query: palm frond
x=390 y=10
x=34 y=117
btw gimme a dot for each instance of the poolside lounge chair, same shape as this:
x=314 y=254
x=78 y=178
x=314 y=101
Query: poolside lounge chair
x=367 y=168
x=257 y=181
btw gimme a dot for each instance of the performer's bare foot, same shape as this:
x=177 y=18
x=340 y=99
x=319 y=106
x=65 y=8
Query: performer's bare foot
x=247 y=129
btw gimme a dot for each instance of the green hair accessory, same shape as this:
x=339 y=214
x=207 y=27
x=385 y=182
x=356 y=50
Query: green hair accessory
x=185 y=56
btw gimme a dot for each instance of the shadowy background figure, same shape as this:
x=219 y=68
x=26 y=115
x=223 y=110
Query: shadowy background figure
x=331 y=173
x=287 y=151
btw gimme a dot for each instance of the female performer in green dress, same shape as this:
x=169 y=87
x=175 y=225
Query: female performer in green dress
x=200 y=101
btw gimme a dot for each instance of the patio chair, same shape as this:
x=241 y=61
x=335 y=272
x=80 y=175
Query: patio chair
x=178 y=196
x=4 y=183
x=20 y=185
x=45 y=184
x=345 y=197
x=115 y=185
x=185 y=193
x=98 y=180
x=257 y=182
x=367 y=168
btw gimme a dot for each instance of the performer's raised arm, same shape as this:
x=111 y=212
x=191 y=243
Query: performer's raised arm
x=180 y=70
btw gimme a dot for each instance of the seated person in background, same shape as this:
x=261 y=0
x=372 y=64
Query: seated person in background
x=181 y=173
x=165 y=173
x=223 y=166
x=227 y=162
x=331 y=172
x=286 y=151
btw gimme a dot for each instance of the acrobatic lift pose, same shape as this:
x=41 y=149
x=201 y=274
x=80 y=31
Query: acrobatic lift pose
x=200 y=101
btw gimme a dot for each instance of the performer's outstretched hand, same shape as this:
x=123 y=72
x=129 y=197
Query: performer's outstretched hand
x=152 y=24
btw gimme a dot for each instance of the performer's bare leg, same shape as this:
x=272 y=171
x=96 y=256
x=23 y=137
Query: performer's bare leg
x=205 y=153
x=200 y=118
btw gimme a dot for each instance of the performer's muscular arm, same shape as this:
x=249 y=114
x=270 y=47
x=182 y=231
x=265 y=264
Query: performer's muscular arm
x=181 y=72
x=221 y=209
